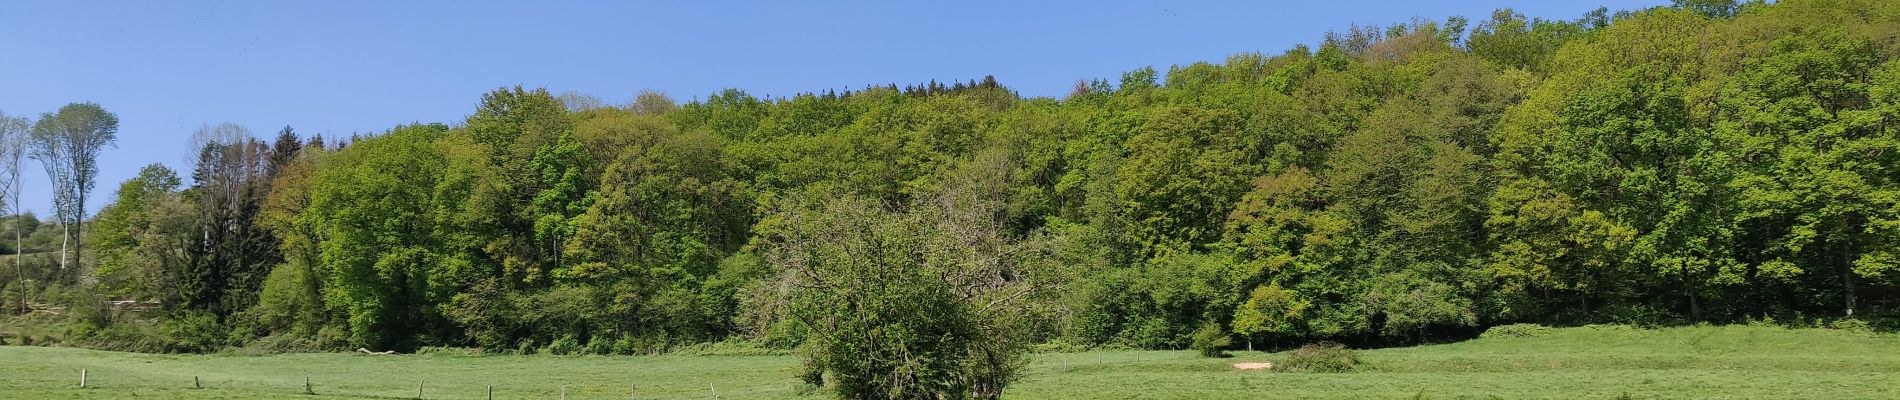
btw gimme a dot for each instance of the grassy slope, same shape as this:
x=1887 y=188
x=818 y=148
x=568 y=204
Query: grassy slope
x=1699 y=362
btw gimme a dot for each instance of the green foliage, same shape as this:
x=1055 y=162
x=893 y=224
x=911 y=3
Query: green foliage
x=232 y=254
x=67 y=145
x=1269 y=310
x=1509 y=39
x=1712 y=161
x=1183 y=170
x=1323 y=357
x=1516 y=331
x=193 y=333
x=288 y=303
x=1060 y=346
x=922 y=304
x=189 y=332
x=1211 y=341
x=565 y=345
x=136 y=237
x=1852 y=325
x=385 y=283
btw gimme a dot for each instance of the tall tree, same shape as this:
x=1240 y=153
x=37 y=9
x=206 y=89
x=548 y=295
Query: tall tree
x=233 y=253
x=67 y=143
x=291 y=300
x=650 y=102
x=13 y=138
x=516 y=126
x=284 y=149
x=141 y=239
x=397 y=237
x=207 y=134
x=577 y=101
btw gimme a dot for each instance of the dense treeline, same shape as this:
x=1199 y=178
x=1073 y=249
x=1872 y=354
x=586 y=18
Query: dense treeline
x=1713 y=161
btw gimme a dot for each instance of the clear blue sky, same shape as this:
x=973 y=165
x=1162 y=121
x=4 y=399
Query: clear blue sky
x=336 y=67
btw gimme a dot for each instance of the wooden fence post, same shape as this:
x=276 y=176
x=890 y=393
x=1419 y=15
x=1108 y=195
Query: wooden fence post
x=195 y=384
x=82 y=378
x=418 y=390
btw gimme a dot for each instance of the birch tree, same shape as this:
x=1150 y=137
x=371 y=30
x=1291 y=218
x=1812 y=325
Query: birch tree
x=13 y=136
x=67 y=144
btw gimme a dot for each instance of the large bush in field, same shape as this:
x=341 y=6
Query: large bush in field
x=1322 y=357
x=919 y=304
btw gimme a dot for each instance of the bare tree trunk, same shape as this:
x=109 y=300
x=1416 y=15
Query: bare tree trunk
x=19 y=239
x=1695 y=307
x=1848 y=276
x=1694 y=294
x=19 y=250
x=78 y=226
x=65 y=236
x=79 y=246
x=1847 y=279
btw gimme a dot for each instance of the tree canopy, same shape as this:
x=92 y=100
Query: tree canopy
x=1711 y=161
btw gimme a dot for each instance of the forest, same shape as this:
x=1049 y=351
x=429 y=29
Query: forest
x=1707 y=162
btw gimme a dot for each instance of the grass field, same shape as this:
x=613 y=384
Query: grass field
x=1591 y=362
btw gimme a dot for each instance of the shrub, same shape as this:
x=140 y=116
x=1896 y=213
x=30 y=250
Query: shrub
x=650 y=344
x=287 y=343
x=133 y=336
x=194 y=333
x=890 y=325
x=1640 y=315
x=1516 y=330
x=525 y=347
x=449 y=351
x=333 y=336
x=1611 y=328
x=625 y=346
x=565 y=345
x=1322 y=357
x=1853 y=325
x=786 y=333
x=811 y=372
x=1060 y=346
x=804 y=389
x=183 y=333
x=598 y=345
x=1150 y=333
x=1765 y=321
x=243 y=329
x=1211 y=341
x=728 y=347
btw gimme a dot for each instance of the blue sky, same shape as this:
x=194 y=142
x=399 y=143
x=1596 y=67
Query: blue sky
x=336 y=67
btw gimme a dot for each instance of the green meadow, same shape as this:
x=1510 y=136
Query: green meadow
x=1735 y=362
